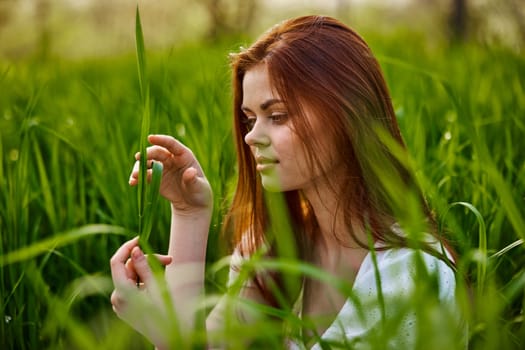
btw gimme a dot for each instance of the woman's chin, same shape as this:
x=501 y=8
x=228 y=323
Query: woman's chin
x=271 y=184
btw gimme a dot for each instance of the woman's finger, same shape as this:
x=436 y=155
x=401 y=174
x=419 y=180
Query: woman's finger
x=118 y=261
x=130 y=270
x=164 y=259
x=158 y=153
x=198 y=185
x=174 y=147
x=130 y=267
x=118 y=302
x=155 y=151
x=141 y=266
x=145 y=274
x=133 y=177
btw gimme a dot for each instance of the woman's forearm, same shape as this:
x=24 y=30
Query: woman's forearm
x=185 y=275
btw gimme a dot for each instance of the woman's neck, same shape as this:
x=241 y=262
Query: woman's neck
x=335 y=248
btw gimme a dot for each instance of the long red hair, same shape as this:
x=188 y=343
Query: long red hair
x=318 y=64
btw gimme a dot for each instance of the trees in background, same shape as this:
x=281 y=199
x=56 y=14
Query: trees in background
x=230 y=16
x=458 y=19
x=487 y=19
x=492 y=21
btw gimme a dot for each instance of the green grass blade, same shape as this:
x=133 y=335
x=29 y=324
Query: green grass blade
x=59 y=240
x=142 y=186
x=141 y=56
x=152 y=203
x=144 y=92
x=45 y=186
x=507 y=248
x=482 y=243
x=379 y=283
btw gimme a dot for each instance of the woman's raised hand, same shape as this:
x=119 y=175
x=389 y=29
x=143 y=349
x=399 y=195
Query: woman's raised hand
x=183 y=181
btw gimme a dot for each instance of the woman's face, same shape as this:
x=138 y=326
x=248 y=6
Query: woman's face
x=281 y=159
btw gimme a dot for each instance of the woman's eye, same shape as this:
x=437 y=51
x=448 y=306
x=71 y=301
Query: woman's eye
x=249 y=122
x=279 y=117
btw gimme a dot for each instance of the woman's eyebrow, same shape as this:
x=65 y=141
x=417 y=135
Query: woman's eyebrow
x=265 y=105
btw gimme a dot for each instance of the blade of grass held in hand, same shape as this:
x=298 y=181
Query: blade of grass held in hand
x=141 y=56
x=143 y=168
x=147 y=197
x=144 y=93
x=152 y=203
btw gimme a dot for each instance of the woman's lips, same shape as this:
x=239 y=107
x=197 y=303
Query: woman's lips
x=264 y=163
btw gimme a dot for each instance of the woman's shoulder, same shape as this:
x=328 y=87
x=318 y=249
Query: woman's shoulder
x=400 y=269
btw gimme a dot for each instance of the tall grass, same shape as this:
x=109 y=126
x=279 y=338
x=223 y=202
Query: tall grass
x=147 y=196
x=69 y=132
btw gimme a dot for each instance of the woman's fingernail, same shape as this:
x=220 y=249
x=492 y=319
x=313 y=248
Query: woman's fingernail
x=137 y=253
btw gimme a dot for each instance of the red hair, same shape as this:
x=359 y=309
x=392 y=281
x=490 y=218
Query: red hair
x=318 y=64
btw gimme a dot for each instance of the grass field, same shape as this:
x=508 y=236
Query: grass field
x=69 y=130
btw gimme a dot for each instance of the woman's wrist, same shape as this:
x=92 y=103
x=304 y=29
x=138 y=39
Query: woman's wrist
x=192 y=213
x=189 y=234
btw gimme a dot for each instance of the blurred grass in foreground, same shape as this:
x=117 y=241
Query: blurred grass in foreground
x=69 y=131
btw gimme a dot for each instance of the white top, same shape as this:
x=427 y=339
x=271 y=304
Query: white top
x=398 y=276
x=399 y=279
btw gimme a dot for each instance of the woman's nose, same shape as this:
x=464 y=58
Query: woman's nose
x=258 y=135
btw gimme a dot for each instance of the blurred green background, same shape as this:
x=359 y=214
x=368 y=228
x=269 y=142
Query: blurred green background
x=94 y=28
x=70 y=119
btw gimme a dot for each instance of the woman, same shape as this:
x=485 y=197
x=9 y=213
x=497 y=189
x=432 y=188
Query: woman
x=314 y=122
